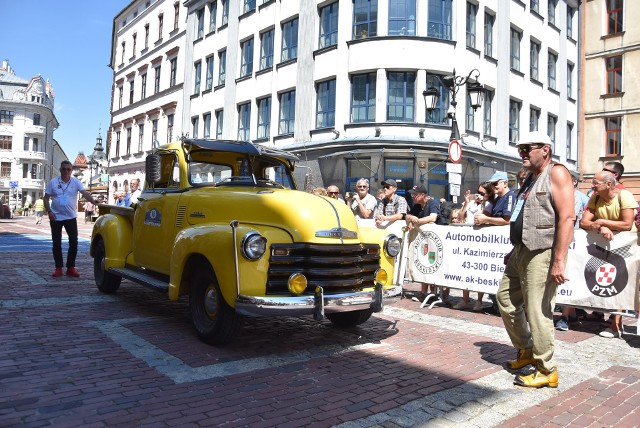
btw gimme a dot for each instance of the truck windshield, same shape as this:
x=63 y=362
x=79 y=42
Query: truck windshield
x=208 y=168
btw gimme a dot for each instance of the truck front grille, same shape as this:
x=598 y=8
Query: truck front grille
x=336 y=268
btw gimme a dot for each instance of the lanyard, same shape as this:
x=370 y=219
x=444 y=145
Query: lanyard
x=64 y=189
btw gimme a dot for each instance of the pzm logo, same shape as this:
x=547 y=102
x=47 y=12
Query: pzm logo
x=606 y=272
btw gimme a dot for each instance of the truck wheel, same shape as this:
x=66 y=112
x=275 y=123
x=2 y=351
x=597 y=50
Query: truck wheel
x=350 y=319
x=106 y=282
x=214 y=320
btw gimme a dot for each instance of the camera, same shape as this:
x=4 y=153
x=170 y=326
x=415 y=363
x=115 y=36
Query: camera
x=348 y=195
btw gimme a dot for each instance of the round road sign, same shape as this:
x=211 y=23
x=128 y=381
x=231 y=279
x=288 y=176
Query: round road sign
x=455 y=151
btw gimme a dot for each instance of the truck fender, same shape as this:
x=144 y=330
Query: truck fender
x=117 y=233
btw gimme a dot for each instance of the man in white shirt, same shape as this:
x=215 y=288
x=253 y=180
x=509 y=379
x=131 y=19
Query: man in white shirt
x=132 y=198
x=362 y=203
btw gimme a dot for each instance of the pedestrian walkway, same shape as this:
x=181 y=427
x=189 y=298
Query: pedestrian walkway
x=72 y=356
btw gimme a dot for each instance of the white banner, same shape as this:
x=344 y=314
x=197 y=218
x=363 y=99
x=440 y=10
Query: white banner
x=601 y=274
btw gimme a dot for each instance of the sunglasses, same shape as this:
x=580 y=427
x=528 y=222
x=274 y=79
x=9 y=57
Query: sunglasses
x=361 y=187
x=481 y=193
x=608 y=170
x=332 y=193
x=387 y=187
x=66 y=169
x=526 y=148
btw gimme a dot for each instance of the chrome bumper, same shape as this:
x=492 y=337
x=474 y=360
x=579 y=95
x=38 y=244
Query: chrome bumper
x=317 y=304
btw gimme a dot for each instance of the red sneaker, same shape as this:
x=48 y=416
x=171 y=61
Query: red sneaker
x=57 y=272
x=73 y=272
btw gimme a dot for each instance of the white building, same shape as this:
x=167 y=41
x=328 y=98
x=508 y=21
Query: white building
x=28 y=151
x=340 y=83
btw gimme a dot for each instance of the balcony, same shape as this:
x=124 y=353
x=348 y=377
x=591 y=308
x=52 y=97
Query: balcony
x=31 y=183
x=30 y=155
x=34 y=130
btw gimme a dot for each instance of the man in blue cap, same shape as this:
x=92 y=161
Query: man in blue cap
x=502 y=205
x=541 y=230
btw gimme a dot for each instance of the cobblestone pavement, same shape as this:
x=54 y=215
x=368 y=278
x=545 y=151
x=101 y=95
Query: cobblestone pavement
x=71 y=356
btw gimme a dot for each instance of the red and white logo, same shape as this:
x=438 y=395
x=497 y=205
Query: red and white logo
x=606 y=274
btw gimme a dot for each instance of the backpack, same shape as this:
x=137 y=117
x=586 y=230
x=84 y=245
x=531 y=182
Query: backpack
x=445 y=213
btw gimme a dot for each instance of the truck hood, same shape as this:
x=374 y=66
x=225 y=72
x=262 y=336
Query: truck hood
x=310 y=218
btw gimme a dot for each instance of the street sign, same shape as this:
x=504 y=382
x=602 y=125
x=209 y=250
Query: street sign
x=454 y=167
x=13 y=184
x=455 y=151
x=454 y=189
x=455 y=178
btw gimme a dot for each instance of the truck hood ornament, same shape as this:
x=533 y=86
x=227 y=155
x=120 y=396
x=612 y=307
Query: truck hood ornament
x=337 y=232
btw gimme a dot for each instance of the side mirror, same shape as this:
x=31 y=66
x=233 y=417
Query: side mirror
x=152 y=167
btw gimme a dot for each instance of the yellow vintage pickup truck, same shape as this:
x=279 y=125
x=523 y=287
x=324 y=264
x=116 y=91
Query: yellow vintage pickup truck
x=222 y=222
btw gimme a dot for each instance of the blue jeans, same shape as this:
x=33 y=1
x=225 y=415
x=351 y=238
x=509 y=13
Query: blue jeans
x=71 y=227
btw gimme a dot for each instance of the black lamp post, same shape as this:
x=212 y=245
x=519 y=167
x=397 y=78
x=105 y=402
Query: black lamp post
x=453 y=84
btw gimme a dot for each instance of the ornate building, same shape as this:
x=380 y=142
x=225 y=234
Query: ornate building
x=27 y=148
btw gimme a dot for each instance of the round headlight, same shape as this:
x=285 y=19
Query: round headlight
x=392 y=245
x=297 y=283
x=381 y=276
x=253 y=245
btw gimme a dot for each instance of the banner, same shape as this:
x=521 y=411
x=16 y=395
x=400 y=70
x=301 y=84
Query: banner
x=602 y=274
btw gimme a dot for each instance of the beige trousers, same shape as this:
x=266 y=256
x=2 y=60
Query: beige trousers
x=526 y=284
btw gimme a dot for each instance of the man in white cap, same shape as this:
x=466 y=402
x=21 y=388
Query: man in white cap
x=392 y=207
x=541 y=230
x=503 y=203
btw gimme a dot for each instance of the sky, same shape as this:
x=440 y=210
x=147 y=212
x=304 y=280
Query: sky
x=67 y=42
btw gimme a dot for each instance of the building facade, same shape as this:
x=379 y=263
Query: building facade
x=610 y=89
x=28 y=151
x=340 y=83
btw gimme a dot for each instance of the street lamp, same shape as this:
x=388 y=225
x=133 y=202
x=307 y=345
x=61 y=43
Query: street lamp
x=453 y=84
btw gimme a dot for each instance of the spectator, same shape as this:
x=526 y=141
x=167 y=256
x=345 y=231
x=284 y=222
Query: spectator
x=39 y=209
x=392 y=207
x=120 y=199
x=321 y=191
x=334 y=192
x=132 y=197
x=503 y=203
x=617 y=169
x=541 y=231
x=455 y=216
x=521 y=176
x=26 y=209
x=362 y=203
x=380 y=194
x=609 y=209
x=88 y=211
x=63 y=211
x=471 y=206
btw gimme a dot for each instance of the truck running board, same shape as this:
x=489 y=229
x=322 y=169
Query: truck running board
x=141 y=278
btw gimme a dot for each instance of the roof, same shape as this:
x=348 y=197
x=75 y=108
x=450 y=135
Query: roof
x=239 y=147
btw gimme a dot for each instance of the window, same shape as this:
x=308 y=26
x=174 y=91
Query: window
x=244 y=121
x=289 y=40
x=128 y=141
x=328 y=26
x=176 y=15
x=248 y=6
x=36 y=119
x=570 y=12
x=266 y=50
x=197 y=73
x=160 y=25
x=401 y=96
x=6 y=117
x=195 y=122
x=6 y=142
x=569 y=80
x=140 y=136
x=470 y=116
x=120 y=95
x=551 y=11
x=514 y=121
x=488 y=34
x=213 y=9
x=154 y=132
x=131 y=92
x=614 y=16
x=552 y=121
x=199 y=23
x=170 y=119
x=34 y=145
x=287 y=113
x=222 y=64
x=363 y=97
x=515 y=49
x=209 y=77
x=569 y=139
x=264 y=117
x=534 y=61
x=439 y=25
x=156 y=80
x=487 y=105
x=439 y=114
x=143 y=86
x=174 y=72
x=219 y=123
x=365 y=19
x=614 y=74
x=124 y=44
x=535 y=6
x=614 y=136
x=534 y=118
x=135 y=40
x=146 y=36
x=26 y=144
x=246 y=64
x=25 y=170
x=551 y=65
x=5 y=169
x=402 y=17
x=225 y=11
x=326 y=104
x=472 y=12
x=117 y=143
